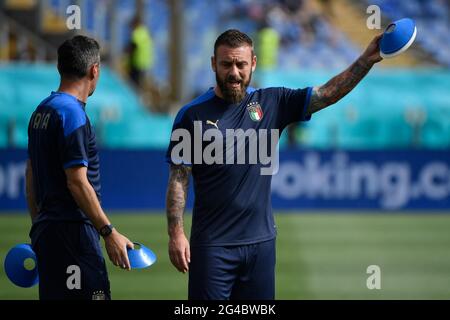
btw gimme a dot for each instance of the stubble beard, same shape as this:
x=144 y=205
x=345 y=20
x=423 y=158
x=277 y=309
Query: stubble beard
x=233 y=95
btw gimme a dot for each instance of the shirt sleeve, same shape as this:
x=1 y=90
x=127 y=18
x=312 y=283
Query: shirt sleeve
x=74 y=140
x=293 y=105
x=180 y=150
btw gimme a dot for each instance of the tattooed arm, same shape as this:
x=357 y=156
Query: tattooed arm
x=177 y=189
x=340 y=85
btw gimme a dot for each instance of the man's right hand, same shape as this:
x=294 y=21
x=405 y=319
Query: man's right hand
x=180 y=252
x=116 y=246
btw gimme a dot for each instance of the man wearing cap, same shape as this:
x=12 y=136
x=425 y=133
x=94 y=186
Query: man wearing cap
x=63 y=185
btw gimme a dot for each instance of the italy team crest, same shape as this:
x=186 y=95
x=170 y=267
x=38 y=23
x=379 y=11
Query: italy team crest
x=255 y=111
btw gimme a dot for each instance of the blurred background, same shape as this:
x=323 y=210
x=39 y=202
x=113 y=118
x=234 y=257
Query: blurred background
x=365 y=182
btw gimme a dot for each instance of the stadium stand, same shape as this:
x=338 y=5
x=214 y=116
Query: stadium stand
x=412 y=112
x=364 y=119
x=311 y=42
x=115 y=109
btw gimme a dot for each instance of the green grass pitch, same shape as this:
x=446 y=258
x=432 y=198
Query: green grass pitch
x=319 y=256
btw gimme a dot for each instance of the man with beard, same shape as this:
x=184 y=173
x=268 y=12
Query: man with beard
x=231 y=254
x=63 y=185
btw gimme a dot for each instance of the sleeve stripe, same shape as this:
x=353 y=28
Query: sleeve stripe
x=74 y=163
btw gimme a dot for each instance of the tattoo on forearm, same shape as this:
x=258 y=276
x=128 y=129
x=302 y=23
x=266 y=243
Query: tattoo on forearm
x=338 y=87
x=176 y=195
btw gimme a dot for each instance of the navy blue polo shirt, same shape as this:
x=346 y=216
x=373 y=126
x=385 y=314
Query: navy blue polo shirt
x=232 y=204
x=60 y=136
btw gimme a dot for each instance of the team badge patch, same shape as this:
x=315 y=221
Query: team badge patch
x=255 y=111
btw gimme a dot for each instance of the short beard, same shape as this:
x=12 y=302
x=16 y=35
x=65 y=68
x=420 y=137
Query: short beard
x=233 y=95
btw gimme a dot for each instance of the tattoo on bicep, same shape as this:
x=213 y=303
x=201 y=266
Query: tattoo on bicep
x=176 y=194
x=337 y=87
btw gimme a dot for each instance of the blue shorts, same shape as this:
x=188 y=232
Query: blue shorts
x=245 y=272
x=70 y=261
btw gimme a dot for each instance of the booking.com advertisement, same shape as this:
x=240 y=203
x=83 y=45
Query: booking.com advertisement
x=387 y=180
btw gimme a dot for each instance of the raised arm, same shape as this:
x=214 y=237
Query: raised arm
x=336 y=88
x=177 y=189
